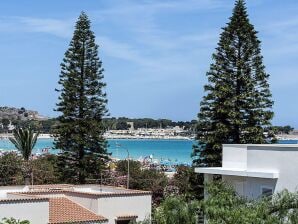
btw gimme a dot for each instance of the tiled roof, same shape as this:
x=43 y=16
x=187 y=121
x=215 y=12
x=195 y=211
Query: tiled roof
x=63 y=210
x=11 y=200
x=126 y=217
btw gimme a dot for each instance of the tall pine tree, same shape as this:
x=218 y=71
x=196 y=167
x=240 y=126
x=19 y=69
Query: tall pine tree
x=82 y=103
x=237 y=105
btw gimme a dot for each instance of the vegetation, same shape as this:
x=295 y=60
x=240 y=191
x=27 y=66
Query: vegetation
x=176 y=210
x=13 y=221
x=43 y=126
x=188 y=183
x=224 y=206
x=144 y=179
x=280 y=129
x=82 y=104
x=24 y=140
x=11 y=169
x=44 y=169
x=121 y=123
x=237 y=106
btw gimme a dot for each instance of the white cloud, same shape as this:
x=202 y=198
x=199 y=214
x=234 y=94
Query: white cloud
x=60 y=28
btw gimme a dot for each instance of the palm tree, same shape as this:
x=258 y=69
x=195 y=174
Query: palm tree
x=24 y=140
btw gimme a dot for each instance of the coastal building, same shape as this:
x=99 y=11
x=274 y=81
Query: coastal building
x=257 y=170
x=148 y=133
x=55 y=204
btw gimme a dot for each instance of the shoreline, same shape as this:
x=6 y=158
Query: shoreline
x=118 y=137
x=149 y=137
x=287 y=137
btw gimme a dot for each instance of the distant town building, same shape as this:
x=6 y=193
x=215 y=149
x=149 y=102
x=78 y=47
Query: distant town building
x=131 y=126
x=256 y=170
x=57 y=204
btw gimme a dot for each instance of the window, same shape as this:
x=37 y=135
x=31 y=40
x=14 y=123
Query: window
x=266 y=191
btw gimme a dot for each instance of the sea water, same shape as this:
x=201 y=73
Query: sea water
x=175 y=151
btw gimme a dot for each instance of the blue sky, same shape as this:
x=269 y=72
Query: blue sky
x=155 y=53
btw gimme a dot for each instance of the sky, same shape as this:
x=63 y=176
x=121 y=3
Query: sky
x=155 y=53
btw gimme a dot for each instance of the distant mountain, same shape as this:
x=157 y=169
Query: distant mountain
x=13 y=113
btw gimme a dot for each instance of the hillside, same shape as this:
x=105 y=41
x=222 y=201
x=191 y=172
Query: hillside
x=12 y=113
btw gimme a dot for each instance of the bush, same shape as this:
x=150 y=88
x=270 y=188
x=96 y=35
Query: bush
x=13 y=221
x=224 y=206
x=10 y=169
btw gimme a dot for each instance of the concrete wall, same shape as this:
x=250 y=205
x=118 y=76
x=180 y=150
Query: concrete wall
x=6 y=189
x=89 y=202
x=35 y=212
x=234 y=157
x=111 y=207
x=249 y=187
x=279 y=159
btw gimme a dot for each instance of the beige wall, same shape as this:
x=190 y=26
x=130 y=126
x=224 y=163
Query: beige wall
x=35 y=212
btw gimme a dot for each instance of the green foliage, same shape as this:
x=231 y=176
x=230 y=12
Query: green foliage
x=45 y=170
x=42 y=126
x=144 y=179
x=224 y=206
x=281 y=129
x=237 y=105
x=24 y=140
x=121 y=123
x=176 y=210
x=188 y=182
x=13 y=169
x=82 y=104
x=134 y=167
x=5 y=122
x=146 y=221
x=10 y=169
x=13 y=221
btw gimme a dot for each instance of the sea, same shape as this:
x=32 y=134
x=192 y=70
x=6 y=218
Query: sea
x=174 y=151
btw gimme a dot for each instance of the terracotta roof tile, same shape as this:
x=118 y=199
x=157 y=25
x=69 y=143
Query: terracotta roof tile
x=63 y=210
x=126 y=217
x=11 y=200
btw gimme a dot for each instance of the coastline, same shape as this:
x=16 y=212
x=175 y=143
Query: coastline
x=147 y=137
x=113 y=137
x=287 y=137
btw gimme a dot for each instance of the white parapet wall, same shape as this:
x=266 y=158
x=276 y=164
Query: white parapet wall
x=113 y=207
x=35 y=211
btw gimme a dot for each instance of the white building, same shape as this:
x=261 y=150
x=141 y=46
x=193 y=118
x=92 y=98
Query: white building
x=256 y=170
x=57 y=204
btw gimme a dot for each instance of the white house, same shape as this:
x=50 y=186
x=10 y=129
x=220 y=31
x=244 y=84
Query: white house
x=256 y=170
x=57 y=204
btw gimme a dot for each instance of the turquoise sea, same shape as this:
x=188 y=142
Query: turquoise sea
x=177 y=151
x=174 y=150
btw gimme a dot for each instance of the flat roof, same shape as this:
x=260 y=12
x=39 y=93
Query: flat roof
x=263 y=145
x=237 y=172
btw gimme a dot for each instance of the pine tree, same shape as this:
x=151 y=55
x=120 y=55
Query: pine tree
x=82 y=103
x=237 y=105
